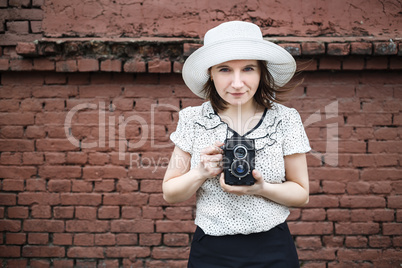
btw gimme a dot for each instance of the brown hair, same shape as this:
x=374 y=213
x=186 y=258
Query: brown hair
x=264 y=96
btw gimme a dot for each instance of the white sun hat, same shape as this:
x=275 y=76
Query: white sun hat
x=236 y=40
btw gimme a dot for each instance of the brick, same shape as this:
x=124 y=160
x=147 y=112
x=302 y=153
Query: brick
x=170 y=253
x=330 y=63
x=152 y=213
x=131 y=199
x=179 y=213
x=41 y=212
x=35 y=184
x=27 y=198
x=132 y=226
x=338 y=49
x=26 y=49
x=362 y=201
x=62 y=239
x=88 y=65
x=85 y=226
x=361 y=48
x=126 y=239
x=17 y=263
x=43 y=251
x=13 y=185
x=16 y=172
x=189 y=48
x=84 y=240
x=310 y=48
x=377 y=241
x=135 y=66
x=176 y=239
x=19 y=3
x=16 y=238
x=52 y=226
x=10 y=225
x=105 y=186
x=18 y=27
x=385 y=48
x=43 y=65
x=313 y=242
x=100 y=172
x=105 y=239
x=130 y=212
x=394 y=64
x=82 y=186
x=63 y=212
x=333 y=187
x=377 y=63
x=111 y=65
x=175 y=226
x=150 y=239
x=81 y=199
x=159 y=66
x=10 y=252
x=85 y=252
x=18 y=212
x=358 y=254
x=353 y=63
x=38 y=238
x=109 y=212
x=323 y=201
x=21 y=65
x=4 y=64
x=60 y=172
x=127 y=252
x=66 y=66
x=59 y=185
x=357 y=228
x=36 y=26
x=63 y=263
x=85 y=213
x=395 y=201
x=177 y=67
x=293 y=49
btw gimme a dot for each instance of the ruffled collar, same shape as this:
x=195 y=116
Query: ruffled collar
x=209 y=119
x=264 y=134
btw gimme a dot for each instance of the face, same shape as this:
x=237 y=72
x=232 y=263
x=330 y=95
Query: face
x=236 y=81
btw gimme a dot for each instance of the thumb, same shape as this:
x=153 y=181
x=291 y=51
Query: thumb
x=219 y=143
x=257 y=175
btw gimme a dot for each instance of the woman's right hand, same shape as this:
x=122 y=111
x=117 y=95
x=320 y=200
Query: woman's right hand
x=210 y=164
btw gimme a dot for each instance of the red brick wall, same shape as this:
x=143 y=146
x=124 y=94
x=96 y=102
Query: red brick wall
x=87 y=192
x=64 y=205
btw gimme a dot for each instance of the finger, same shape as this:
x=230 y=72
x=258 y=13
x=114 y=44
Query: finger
x=257 y=175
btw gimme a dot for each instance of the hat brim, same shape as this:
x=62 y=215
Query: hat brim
x=280 y=63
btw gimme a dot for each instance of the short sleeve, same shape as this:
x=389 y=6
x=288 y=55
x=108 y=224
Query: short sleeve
x=295 y=137
x=183 y=137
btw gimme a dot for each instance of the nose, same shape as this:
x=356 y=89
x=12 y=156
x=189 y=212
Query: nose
x=237 y=81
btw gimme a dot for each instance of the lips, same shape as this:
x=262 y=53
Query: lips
x=237 y=94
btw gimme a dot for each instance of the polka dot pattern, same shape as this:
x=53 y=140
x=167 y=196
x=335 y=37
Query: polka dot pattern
x=279 y=133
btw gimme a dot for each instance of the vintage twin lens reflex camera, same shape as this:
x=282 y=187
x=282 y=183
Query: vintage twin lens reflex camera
x=238 y=161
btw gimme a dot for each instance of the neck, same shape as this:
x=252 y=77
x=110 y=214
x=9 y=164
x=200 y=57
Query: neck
x=241 y=117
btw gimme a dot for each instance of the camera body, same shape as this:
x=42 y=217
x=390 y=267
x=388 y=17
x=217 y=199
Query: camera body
x=239 y=161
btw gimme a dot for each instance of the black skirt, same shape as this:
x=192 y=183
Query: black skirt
x=272 y=249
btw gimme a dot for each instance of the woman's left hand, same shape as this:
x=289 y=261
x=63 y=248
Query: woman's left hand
x=254 y=189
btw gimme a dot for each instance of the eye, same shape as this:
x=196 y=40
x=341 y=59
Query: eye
x=224 y=69
x=248 y=69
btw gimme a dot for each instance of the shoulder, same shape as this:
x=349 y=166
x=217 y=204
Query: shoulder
x=192 y=113
x=284 y=113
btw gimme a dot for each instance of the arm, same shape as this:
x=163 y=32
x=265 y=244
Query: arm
x=294 y=192
x=181 y=182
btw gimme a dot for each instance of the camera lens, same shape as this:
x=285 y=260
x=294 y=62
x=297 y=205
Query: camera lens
x=240 y=152
x=240 y=168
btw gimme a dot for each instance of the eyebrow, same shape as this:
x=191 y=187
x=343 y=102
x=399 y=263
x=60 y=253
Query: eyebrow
x=227 y=66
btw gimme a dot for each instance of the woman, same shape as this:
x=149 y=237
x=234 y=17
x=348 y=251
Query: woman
x=239 y=74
